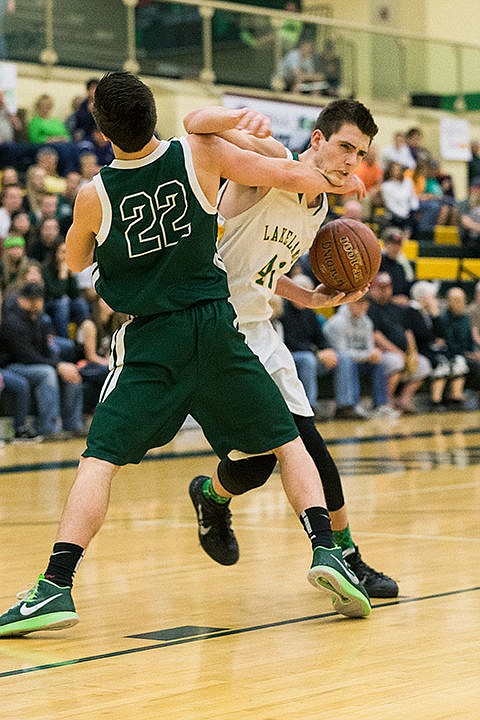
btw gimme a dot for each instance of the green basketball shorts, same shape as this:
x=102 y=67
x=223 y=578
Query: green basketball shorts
x=194 y=362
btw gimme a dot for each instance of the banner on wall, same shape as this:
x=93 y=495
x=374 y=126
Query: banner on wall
x=455 y=139
x=291 y=123
x=8 y=83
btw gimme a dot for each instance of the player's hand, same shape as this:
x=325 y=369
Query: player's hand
x=355 y=185
x=324 y=297
x=255 y=123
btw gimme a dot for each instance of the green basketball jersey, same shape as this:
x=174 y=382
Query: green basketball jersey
x=156 y=248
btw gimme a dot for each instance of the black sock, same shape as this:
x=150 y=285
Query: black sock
x=316 y=523
x=63 y=563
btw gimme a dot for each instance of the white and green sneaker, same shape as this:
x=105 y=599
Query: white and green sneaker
x=330 y=574
x=46 y=606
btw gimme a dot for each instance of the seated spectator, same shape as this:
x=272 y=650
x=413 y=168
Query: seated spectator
x=48 y=238
x=83 y=123
x=101 y=147
x=396 y=340
x=9 y=176
x=10 y=123
x=66 y=201
x=329 y=66
x=43 y=127
x=398 y=152
x=473 y=312
x=71 y=120
x=47 y=158
x=413 y=138
x=350 y=332
x=13 y=260
x=88 y=167
x=256 y=31
x=304 y=338
x=63 y=301
x=11 y=201
x=473 y=166
x=434 y=208
x=56 y=384
x=35 y=189
x=446 y=375
x=392 y=249
x=297 y=70
x=21 y=226
x=399 y=199
x=94 y=335
x=371 y=172
x=469 y=221
x=459 y=337
x=18 y=390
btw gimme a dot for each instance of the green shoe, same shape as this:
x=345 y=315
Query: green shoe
x=45 y=607
x=330 y=574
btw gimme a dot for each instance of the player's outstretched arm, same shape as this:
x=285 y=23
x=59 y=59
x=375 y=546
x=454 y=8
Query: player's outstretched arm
x=87 y=218
x=244 y=127
x=214 y=158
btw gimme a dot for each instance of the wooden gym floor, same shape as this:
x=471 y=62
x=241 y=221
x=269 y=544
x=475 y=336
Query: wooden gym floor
x=167 y=633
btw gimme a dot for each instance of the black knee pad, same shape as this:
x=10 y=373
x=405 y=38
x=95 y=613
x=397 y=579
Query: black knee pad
x=240 y=476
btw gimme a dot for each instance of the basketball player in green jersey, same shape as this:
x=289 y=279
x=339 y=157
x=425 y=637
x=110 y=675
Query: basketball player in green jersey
x=262 y=232
x=149 y=222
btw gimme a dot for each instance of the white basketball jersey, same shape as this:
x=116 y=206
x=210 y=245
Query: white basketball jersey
x=262 y=243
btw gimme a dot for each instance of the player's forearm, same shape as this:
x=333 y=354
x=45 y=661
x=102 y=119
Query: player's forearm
x=214 y=119
x=290 y=291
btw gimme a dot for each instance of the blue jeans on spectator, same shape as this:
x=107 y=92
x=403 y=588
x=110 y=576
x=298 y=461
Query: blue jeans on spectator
x=65 y=309
x=307 y=368
x=378 y=379
x=19 y=388
x=47 y=388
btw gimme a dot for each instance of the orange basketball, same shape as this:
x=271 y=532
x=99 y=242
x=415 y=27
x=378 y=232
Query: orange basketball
x=345 y=255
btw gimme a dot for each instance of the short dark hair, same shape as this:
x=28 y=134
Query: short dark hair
x=342 y=111
x=124 y=110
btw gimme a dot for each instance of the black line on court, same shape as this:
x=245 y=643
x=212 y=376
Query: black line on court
x=222 y=633
x=416 y=459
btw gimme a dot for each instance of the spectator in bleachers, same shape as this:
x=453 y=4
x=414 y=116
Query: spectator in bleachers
x=88 y=167
x=298 y=72
x=413 y=138
x=396 y=340
x=329 y=65
x=447 y=376
x=469 y=221
x=47 y=158
x=66 y=201
x=434 y=207
x=43 y=127
x=313 y=356
x=35 y=189
x=398 y=152
x=11 y=202
x=10 y=123
x=256 y=31
x=101 y=147
x=392 y=249
x=48 y=238
x=63 y=301
x=71 y=120
x=94 y=335
x=473 y=166
x=83 y=123
x=9 y=176
x=371 y=172
x=22 y=227
x=458 y=335
x=56 y=384
x=473 y=310
x=350 y=332
x=13 y=260
x=399 y=199
x=47 y=209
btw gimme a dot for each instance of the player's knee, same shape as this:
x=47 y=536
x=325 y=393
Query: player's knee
x=240 y=476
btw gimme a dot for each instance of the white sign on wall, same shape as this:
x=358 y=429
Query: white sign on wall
x=291 y=123
x=8 y=83
x=455 y=139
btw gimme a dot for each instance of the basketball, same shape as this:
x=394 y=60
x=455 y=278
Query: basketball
x=345 y=255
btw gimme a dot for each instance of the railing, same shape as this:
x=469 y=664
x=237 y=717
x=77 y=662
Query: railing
x=240 y=45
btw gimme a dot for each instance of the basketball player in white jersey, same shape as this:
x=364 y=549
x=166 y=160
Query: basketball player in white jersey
x=262 y=232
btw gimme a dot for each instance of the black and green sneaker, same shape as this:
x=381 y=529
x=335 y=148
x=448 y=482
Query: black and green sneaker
x=46 y=606
x=214 y=525
x=330 y=574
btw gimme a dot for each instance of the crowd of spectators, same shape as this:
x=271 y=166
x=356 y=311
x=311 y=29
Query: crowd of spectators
x=54 y=330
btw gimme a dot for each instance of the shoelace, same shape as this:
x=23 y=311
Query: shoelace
x=27 y=594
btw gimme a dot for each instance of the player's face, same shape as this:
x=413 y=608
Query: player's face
x=340 y=155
